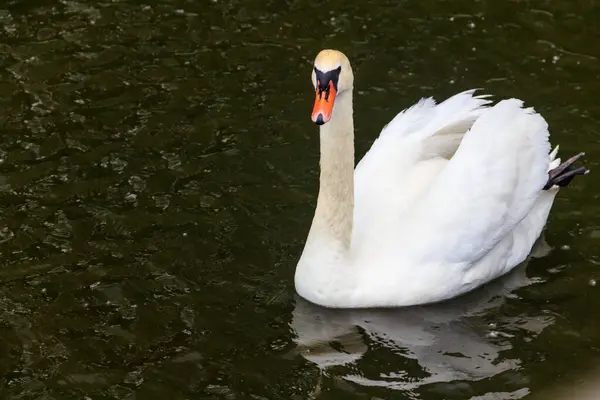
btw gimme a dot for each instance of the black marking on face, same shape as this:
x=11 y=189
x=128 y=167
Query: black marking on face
x=323 y=79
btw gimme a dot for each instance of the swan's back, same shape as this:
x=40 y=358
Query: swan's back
x=464 y=220
x=491 y=183
x=410 y=151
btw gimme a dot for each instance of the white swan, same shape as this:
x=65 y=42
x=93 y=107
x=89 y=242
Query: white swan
x=449 y=197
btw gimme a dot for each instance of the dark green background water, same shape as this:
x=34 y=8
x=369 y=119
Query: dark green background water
x=158 y=172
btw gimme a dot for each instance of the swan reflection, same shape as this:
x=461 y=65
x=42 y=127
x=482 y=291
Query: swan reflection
x=407 y=348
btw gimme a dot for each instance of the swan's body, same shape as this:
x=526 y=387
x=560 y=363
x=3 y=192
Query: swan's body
x=449 y=197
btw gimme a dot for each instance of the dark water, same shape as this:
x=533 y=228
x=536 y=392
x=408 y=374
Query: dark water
x=158 y=172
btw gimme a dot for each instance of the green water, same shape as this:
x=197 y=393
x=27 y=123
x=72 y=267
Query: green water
x=158 y=176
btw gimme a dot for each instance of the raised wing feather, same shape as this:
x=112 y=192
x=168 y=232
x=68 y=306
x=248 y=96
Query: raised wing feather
x=425 y=118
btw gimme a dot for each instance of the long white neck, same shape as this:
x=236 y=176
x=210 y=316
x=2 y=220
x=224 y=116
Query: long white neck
x=323 y=274
x=335 y=205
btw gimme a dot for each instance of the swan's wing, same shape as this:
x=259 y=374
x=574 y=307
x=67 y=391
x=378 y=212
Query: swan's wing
x=440 y=126
x=486 y=189
x=425 y=119
x=423 y=131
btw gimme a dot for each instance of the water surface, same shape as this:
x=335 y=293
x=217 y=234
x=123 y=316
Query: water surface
x=158 y=173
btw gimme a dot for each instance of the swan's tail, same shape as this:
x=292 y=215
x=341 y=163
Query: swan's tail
x=563 y=174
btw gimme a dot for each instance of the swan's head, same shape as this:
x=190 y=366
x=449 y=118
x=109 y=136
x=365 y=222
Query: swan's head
x=331 y=76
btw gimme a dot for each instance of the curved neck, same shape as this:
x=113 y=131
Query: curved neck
x=335 y=204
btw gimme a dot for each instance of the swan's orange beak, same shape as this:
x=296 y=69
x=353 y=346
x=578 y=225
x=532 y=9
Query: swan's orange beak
x=323 y=104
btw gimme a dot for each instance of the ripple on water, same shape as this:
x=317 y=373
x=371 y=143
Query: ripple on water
x=157 y=179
